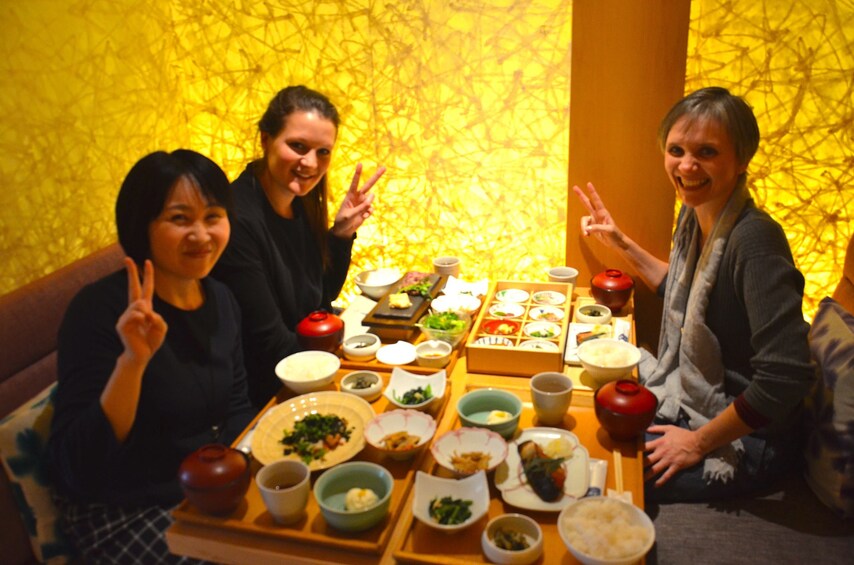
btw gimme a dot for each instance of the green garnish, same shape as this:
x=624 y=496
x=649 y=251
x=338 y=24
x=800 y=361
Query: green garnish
x=315 y=435
x=510 y=540
x=450 y=511
x=414 y=396
x=447 y=321
x=418 y=289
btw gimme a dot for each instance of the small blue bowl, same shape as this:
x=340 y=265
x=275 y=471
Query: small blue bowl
x=330 y=491
x=475 y=406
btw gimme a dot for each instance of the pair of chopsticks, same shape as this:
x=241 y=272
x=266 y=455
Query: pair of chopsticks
x=619 y=490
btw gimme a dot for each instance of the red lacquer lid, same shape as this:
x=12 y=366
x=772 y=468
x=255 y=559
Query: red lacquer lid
x=626 y=397
x=211 y=466
x=612 y=279
x=319 y=324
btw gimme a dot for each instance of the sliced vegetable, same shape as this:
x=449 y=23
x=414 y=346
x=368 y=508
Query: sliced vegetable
x=315 y=435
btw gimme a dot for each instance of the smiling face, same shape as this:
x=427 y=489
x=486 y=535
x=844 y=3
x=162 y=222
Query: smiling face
x=188 y=236
x=700 y=160
x=299 y=155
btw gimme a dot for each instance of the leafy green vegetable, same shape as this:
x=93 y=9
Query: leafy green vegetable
x=418 y=289
x=448 y=321
x=314 y=435
x=450 y=511
x=414 y=396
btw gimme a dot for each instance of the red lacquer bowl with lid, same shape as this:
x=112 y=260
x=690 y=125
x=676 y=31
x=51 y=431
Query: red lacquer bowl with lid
x=612 y=288
x=320 y=331
x=625 y=408
x=215 y=478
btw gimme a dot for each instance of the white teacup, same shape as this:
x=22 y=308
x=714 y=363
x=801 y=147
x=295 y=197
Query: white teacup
x=447 y=266
x=284 y=487
x=551 y=394
x=563 y=274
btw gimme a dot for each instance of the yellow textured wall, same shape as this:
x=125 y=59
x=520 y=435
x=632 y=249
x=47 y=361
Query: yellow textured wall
x=466 y=102
x=794 y=63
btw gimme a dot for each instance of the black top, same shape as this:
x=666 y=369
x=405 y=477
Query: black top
x=274 y=267
x=194 y=383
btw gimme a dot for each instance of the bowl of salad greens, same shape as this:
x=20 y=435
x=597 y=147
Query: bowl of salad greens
x=415 y=392
x=450 y=505
x=451 y=327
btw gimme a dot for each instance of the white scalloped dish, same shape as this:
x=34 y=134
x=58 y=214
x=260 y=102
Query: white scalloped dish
x=510 y=477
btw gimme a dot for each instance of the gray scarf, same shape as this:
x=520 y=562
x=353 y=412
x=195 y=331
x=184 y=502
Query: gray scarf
x=688 y=375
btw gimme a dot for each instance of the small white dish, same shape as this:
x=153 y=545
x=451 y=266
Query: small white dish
x=506 y=310
x=402 y=382
x=494 y=341
x=365 y=384
x=593 y=314
x=362 y=347
x=465 y=303
x=433 y=353
x=546 y=314
x=526 y=526
x=549 y=297
x=467 y=440
x=412 y=422
x=400 y=353
x=511 y=295
x=542 y=330
x=540 y=344
x=428 y=488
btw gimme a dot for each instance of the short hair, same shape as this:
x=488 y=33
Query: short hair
x=729 y=110
x=149 y=183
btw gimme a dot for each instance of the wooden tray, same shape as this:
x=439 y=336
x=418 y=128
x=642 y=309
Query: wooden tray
x=515 y=361
x=421 y=544
x=252 y=516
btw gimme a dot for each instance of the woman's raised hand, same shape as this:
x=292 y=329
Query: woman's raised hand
x=140 y=328
x=356 y=207
x=599 y=222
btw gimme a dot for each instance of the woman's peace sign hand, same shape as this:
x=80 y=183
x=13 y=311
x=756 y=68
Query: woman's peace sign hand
x=140 y=328
x=356 y=207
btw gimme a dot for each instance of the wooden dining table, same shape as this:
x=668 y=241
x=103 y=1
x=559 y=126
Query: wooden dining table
x=250 y=536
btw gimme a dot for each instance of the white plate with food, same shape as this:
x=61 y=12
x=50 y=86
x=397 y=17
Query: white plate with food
x=300 y=417
x=578 y=334
x=549 y=297
x=546 y=314
x=506 y=310
x=511 y=295
x=542 y=330
x=537 y=462
x=540 y=344
x=466 y=451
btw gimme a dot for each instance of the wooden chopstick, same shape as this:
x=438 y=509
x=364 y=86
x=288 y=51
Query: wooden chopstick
x=618 y=470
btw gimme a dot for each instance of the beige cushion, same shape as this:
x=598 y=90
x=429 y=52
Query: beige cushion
x=830 y=410
x=23 y=441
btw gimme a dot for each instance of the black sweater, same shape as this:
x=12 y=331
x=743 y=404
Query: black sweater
x=274 y=267
x=195 y=381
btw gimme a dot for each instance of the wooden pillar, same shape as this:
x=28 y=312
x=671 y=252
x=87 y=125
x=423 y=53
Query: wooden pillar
x=628 y=69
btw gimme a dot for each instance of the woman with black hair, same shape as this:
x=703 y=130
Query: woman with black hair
x=284 y=261
x=149 y=370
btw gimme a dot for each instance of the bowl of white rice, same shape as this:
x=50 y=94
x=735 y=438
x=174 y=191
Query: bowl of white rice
x=607 y=359
x=599 y=530
x=308 y=371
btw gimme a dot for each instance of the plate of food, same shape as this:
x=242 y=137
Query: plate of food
x=511 y=295
x=298 y=429
x=549 y=297
x=546 y=314
x=545 y=469
x=578 y=334
x=500 y=327
x=542 y=330
x=506 y=310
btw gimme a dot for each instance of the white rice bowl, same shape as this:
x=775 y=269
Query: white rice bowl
x=599 y=530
